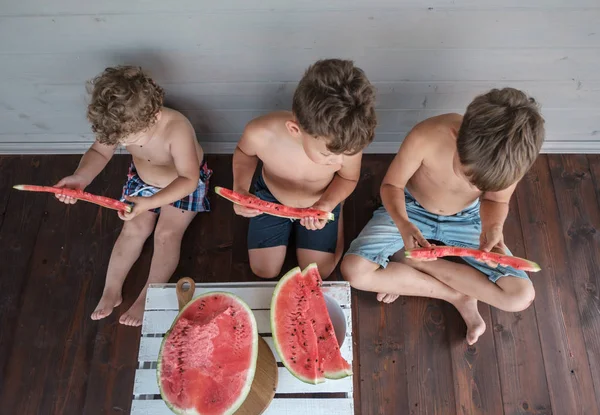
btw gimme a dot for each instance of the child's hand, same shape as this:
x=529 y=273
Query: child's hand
x=245 y=211
x=140 y=205
x=492 y=240
x=315 y=224
x=412 y=236
x=70 y=182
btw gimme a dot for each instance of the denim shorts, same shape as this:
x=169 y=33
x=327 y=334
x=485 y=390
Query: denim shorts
x=380 y=239
x=266 y=231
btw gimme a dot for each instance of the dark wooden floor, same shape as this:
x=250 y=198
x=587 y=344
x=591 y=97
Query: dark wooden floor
x=411 y=355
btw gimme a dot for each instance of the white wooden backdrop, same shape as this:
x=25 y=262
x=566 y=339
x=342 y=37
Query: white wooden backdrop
x=161 y=310
x=223 y=63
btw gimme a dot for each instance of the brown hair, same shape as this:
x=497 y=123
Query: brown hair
x=500 y=137
x=124 y=101
x=335 y=100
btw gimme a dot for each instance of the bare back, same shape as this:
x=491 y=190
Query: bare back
x=291 y=176
x=153 y=156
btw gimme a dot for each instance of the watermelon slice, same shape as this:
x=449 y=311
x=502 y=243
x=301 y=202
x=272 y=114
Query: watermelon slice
x=302 y=330
x=270 y=208
x=441 y=251
x=208 y=358
x=103 y=201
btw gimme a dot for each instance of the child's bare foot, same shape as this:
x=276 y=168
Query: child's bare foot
x=387 y=298
x=109 y=300
x=133 y=316
x=467 y=307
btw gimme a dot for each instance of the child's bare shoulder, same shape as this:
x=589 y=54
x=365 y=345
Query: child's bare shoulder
x=263 y=129
x=434 y=133
x=177 y=126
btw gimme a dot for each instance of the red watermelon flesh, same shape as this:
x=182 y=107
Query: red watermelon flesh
x=302 y=330
x=331 y=362
x=442 y=251
x=208 y=358
x=103 y=201
x=270 y=208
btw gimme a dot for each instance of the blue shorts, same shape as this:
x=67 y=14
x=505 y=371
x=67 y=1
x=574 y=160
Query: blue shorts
x=267 y=231
x=380 y=239
x=197 y=201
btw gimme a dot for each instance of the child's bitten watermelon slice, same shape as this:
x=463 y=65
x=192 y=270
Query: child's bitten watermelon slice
x=441 y=251
x=273 y=209
x=103 y=201
x=208 y=358
x=302 y=330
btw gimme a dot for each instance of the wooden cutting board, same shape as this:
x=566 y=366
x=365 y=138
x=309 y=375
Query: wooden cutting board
x=264 y=384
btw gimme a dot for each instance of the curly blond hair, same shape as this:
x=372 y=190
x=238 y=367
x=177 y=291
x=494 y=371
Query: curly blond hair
x=124 y=101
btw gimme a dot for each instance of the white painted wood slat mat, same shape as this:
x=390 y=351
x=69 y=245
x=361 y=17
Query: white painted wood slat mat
x=335 y=397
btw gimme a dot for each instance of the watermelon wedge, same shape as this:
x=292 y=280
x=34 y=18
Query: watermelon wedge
x=208 y=358
x=270 y=208
x=442 y=251
x=302 y=330
x=103 y=201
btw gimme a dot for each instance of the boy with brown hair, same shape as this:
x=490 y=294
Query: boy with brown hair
x=168 y=178
x=451 y=182
x=310 y=158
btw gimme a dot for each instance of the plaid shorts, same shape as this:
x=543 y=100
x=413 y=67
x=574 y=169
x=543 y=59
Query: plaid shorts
x=197 y=201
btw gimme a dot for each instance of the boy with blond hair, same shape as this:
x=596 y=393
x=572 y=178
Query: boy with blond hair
x=451 y=182
x=167 y=181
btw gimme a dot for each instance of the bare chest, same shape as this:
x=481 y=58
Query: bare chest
x=295 y=166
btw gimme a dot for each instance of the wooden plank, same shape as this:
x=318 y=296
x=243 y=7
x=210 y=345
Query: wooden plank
x=159 y=321
x=22 y=215
x=580 y=219
x=475 y=368
x=560 y=326
x=60 y=275
x=150 y=347
x=257 y=295
x=207 y=244
x=39 y=7
x=279 y=406
x=381 y=384
x=113 y=359
x=145 y=384
x=559 y=121
x=240 y=30
x=380 y=64
x=594 y=161
x=516 y=336
x=266 y=96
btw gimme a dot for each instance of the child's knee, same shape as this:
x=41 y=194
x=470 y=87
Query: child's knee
x=521 y=299
x=265 y=270
x=356 y=270
x=136 y=230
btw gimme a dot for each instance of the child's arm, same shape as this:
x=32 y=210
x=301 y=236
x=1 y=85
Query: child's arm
x=343 y=184
x=185 y=159
x=405 y=164
x=245 y=160
x=493 y=211
x=92 y=163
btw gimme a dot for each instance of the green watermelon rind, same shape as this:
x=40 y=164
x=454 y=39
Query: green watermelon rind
x=329 y=375
x=251 y=370
x=288 y=276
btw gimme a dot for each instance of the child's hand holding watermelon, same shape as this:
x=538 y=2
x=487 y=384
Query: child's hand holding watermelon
x=74 y=181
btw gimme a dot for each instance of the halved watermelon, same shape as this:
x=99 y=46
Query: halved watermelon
x=441 y=251
x=103 y=201
x=208 y=358
x=302 y=330
x=270 y=208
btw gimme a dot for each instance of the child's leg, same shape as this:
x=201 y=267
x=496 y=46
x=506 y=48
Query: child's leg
x=326 y=261
x=126 y=251
x=401 y=279
x=508 y=293
x=170 y=228
x=268 y=237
